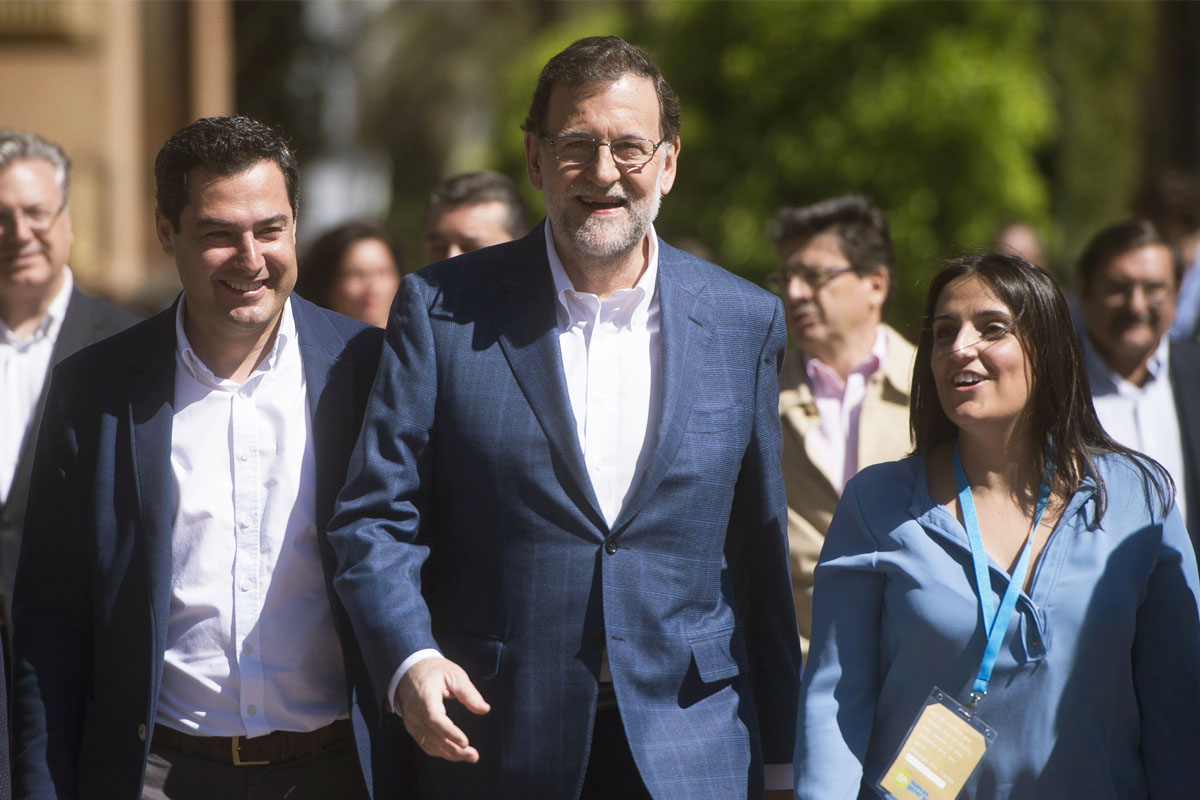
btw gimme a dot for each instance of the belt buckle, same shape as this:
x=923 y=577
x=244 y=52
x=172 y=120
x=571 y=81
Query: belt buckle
x=237 y=755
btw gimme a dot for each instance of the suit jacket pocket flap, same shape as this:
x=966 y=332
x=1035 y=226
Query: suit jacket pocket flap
x=477 y=653
x=714 y=656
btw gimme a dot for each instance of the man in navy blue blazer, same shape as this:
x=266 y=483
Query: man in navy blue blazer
x=176 y=632
x=566 y=510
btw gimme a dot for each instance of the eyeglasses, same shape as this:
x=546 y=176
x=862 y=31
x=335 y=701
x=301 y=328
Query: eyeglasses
x=631 y=152
x=37 y=218
x=1116 y=290
x=811 y=277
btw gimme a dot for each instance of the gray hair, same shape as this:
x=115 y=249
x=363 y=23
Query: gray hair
x=21 y=145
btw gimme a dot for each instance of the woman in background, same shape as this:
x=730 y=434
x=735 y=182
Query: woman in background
x=353 y=269
x=1094 y=687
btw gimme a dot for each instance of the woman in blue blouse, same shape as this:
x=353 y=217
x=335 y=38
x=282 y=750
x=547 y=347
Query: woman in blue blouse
x=1095 y=690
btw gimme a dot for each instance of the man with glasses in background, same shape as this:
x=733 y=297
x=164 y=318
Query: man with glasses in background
x=566 y=511
x=843 y=396
x=1144 y=382
x=44 y=318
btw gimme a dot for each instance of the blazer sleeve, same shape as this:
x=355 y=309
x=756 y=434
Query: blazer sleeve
x=1166 y=666
x=842 y=678
x=756 y=547
x=377 y=529
x=52 y=613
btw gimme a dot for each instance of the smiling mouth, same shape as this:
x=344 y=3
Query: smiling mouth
x=602 y=203
x=965 y=379
x=244 y=286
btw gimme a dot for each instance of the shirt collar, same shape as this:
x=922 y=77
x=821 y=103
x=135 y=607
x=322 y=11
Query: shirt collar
x=627 y=307
x=1098 y=367
x=51 y=322
x=200 y=371
x=821 y=373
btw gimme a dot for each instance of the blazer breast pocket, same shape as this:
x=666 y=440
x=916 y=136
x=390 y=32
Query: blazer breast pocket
x=713 y=419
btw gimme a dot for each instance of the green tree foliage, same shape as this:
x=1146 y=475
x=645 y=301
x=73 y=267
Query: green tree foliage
x=936 y=110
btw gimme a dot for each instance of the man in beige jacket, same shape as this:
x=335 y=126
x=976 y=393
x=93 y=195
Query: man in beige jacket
x=843 y=394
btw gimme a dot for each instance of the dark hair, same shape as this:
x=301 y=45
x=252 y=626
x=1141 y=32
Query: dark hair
x=1171 y=200
x=226 y=146
x=1060 y=407
x=22 y=145
x=858 y=222
x=318 y=271
x=601 y=58
x=476 y=188
x=1132 y=234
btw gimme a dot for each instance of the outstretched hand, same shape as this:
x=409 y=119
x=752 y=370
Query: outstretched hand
x=421 y=697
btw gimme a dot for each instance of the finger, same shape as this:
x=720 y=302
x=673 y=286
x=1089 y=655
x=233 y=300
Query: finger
x=448 y=750
x=442 y=728
x=464 y=691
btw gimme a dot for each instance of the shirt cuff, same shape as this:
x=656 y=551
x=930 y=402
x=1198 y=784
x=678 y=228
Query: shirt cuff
x=404 y=667
x=778 y=776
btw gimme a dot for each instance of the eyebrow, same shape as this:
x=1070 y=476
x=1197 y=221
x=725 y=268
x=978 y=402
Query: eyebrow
x=215 y=222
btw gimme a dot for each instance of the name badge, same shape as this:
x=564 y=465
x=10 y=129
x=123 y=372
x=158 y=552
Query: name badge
x=942 y=749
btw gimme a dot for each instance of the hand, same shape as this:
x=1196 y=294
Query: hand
x=779 y=794
x=421 y=696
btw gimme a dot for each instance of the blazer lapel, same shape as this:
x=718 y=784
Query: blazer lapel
x=151 y=412
x=328 y=383
x=685 y=333
x=527 y=328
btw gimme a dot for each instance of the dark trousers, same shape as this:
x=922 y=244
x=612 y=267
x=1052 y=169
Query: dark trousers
x=611 y=771
x=332 y=772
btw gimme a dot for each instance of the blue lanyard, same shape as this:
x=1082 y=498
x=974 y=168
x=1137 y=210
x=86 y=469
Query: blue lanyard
x=995 y=624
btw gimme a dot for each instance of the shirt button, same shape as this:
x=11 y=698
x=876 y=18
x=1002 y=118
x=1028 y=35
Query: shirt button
x=244 y=455
x=252 y=710
x=142 y=732
x=244 y=523
x=610 y=547
x=246 y=584
x=1035 y=641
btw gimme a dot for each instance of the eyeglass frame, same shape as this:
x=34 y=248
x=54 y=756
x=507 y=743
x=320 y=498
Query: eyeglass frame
x=597 y=143
x=8 y=219
x=779 y=280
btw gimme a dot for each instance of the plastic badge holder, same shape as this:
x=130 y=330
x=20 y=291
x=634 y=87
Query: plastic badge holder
x=943 y=747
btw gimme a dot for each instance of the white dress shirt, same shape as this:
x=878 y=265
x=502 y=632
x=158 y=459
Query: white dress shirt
x=24 y=364
x=1141 y=417
x=251 y=645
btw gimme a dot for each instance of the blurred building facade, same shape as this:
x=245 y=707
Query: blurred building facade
x=109 y=81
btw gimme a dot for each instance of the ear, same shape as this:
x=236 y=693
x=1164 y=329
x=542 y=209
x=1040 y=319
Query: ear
x=164 y=230
x=533 y=160
x=669 y=161
x=880 y=281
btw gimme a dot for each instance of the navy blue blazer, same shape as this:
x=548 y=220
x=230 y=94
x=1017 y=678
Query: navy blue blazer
x=94 y=581
x=469 y=524
x=1183 y=366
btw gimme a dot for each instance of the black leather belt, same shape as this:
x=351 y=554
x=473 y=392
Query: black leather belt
x=274 y=748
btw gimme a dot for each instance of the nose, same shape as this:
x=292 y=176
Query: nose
x=604 y=166
x=250 y=253
x=797 y=290
x=1139 y=303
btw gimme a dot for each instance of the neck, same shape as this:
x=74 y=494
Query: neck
x=22 y=308
x=1132 y=367
x=1005 y=464
x=230 y=355
x=845 y=354
x=602 y=276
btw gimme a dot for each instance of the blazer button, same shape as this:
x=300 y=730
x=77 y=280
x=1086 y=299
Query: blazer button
x=610 y=546
x=142 y=732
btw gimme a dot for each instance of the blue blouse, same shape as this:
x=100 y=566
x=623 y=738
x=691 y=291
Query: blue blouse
x=1096 y=692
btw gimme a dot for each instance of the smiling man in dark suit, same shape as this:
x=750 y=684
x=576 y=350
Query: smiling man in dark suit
x=567 y=496
x=44 y=318
x=175 y=630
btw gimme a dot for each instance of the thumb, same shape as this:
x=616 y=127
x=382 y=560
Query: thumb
x=462 y=690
